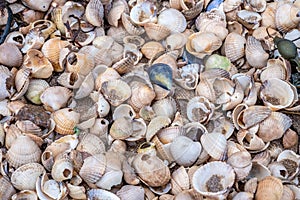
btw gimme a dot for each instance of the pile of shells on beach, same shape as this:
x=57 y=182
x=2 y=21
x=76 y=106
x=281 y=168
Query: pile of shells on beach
x=178 y=99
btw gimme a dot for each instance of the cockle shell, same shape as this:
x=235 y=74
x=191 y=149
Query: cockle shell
x=234 y=46
x=151 y=48
x=42 y=6
x=219 y=177
x=151 y=170
x=269 y=188
x=121 y=128
x=6 y=188
x=79 y=63
x=215 y=144
x=44 y=27
x=114 y=15
x=91 y=144
x=56 y=97
x=157 y=32
x=98 y=194
x=10 y=55
x=144 y=12
x=76 y=191
x=62 y=168
x=249 y=19
x=21 y=82
x=255 y=54
x=155 y=125
x=175 y=24
x=131 y=192
x=66 y=119
x=6 y=82
x=130 y=27
x=94 y=12
x=290 y=139
x=165 y=107
x=287 y=17
x=22 y=151
x=24 y=178
x=276 y=68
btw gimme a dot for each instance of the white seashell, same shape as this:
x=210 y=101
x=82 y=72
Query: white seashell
x=175 y=24
x=142 y=13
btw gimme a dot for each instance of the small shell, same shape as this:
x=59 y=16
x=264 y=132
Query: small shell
x=249 y=19
x=151 y=170
x=185 y=151
x=219 y=178
x=268 y=16
x=130 y=27
x=10 y=55
x=156 y=32
x=107 y=75
x=16 y=38
x=41 y=6
x=91 y=144
x=287 y=17
x=131 y=192
x=22 y=151
x=5 y=79
x=175 y=24
x=255 y=54
x=116 y=91
x=94 y=12
x=180 y=178
x=161 y=75
x=6 y=188
x=144 y=12
x=151 y=48
x=200 y=109
x=121 y=128
x=290 y=139
x=25 y=194
x=65 y=119
x=24 y=178
x=234 y=46
x=215 y=144
x=62 y=168
x=56 y=97
x=155 y=125
x=98 y=194
x=79 y=63
x=269 y=188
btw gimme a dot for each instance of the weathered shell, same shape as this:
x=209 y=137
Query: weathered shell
x=215 y=144
x=255 y=54
x=142 y=13
x=5 y=81
x=151 y=48
x=98 y=194
x=130 y=27
x=131 y=192
x=16 y=38
x=41 y=6
x=79 y=63
x=287 y=17
x=219 y=177
x=76 y=191
x=22 y=151
x=250 y=19
x=6 y=188
x=188 y=76
x=25 y=194
x=175 y=24
x=269 y=188
x=151 y=170
x=94 y=12
x=56 y=97
x=276 y=68
x=200 y=109
x=121 y=128
x=156 y=32
x=155 y=125
x=33 y=40
x=91 y=144
x=180 y=180
x=165 y=107
x=24 y=178
x=185 y=151
x=290 y=139
x=161 y=75
x=114 y=15
x=10 y=55
x=62 y=168
x=234 y=46
x=66 y=119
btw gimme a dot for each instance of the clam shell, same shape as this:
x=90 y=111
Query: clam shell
x=76 y=192
x=121 y=128
x=151 y=170
x=98 y=194
x=175 y=24
x=94 y=12
x=157 y=32
x=165 y=107
x=268 y=16
x=255 y=54
x=218 y=180
x=187 y=76
x=123 y=110
x=11 y=56
x=45 y=27
x=65 y=119
x=22 y=151
x=114 y=15
x=16 y=38
x=185 y=151
x=234 y=46
x=194 y=11
x=249 y=19
x=25 y=194
x=181 y=179
x=269 y=188
x=56 y=97
x=143 y=13
x=131 y=192
x=155 y=125
x=106 y=75
x=21 y=82
x=41 y=6
x=6 y=188
x=290 y=139
x=286 y=17
x=130 y=27
x=215 y=144
x=5 y=78
x=79 y=63
x=276 y=68
x=91 y=144
x=24 y=178
x=151 y=48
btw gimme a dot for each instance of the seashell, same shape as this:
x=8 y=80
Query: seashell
x=269 y=188
x=155 y=125
x=114 y=15
x=255 y=54
x=266 y=35
x=241 y=163
x=25 y=194
x=56 y=97
x=44 y=27
x=121 y=128
x=284 y=96
x=65 y=119
x=22 y=151
x=215 y=144
x=180 y=179
x=185 y=151
x=24 y=178
x=70 y=80
x=278 y=68
x=286 y=17
x=161 y=75
x=142 y=13
x=98 y=194
x=203 y=43
x=33 y=40
x=165 y=107
x=263 y=158
x=116 y=91
x=289 y=139
x=21 y=82
x=287 y=193
x=290 y=160
x=130 y=176
x=279 y=123
x=79 y=63
x=131 y=28
x=62 y=168
x=6 y=188
x=151 y=48
x=86 y=87
x=230 y=5
x=41 y=6
x=268 y=16
x=176 y=24
x=175 y=41
x=194 y=11
x=200 y=109
x=124 y=110
x=71 y=8
x=249 y=19
x=131 y=192
x=110 y=179
x=76 y=191
x=187 y=76
x=168 y=59
x=16 y=38
x=151 y=170
x=6 y=82
x=157 y=32
x=94 y=12
x=234 y=46
x=91 y=144
x=11 y=56
x=257 y=6
x=117 y=33
x=100 y=127
x=218 y=180
x=51 y=49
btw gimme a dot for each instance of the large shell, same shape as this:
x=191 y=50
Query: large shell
x=287 y=17
x=56 y=97
x=151 y=170
x=22 y=151
x=10 y=55
x=219 y=178
x=94 y=12
x=66 y=119
x=269 y=188
x=234 y=46
x=215 y=144
x=255 y=54
x=175 y=24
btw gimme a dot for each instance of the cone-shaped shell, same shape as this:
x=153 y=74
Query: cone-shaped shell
x=151 y=170
x=215 y=144
x=65 y=119
x=10 y=55
x=269 y=188
x=22 y=151
x=219 y=178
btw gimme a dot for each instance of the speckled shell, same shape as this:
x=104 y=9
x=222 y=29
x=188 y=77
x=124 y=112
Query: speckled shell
x=10 y=55
x=22 y=151
x=151 y=170
x=66 y=119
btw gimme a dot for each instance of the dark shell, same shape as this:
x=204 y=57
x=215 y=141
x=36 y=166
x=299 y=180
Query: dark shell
x=36 y=114
x=161 y=75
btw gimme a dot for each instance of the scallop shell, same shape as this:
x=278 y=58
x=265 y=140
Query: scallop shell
x=185 y=151
x=142 y=13
x=215 y=144
x=94 y=12
x=11 y=56
x=116 y=91
x=287 y=17
x=234 y=46
x=24 y=178
x=255 y=54
x=151 y=170
x=217 y=182
x=269 y=188
x=56 y=97
x=66 y=119
x=175 y=24
x=22 y=151
x=156 y=32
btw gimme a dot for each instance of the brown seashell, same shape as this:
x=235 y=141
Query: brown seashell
x=79 y=63
x=10 y=55
x=151 y=170
x=269 y=188
x=131 y=192
x=268 y=16
x=115 y=13
x=65 y=119
x=156 y=32
x=22 y=151
x=76 y=192
x=41 y=6
x=290 y=139
x=151 y=48
x=130 y=27
x=16 y=38
x=56 y=97
x=94 y=12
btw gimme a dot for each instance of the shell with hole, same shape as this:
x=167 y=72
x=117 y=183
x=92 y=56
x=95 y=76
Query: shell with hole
x=65 y=119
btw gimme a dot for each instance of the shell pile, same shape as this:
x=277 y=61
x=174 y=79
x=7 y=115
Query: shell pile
x=144 y=99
